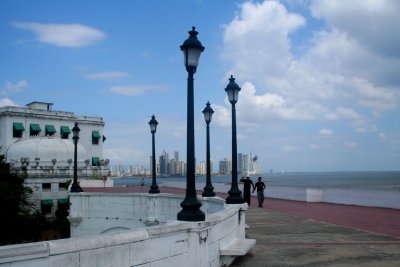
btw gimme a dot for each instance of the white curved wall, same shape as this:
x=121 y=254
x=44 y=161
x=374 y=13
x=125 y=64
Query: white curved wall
x=173 y=243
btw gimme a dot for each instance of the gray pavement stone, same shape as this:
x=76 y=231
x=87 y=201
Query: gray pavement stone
x=286 y=240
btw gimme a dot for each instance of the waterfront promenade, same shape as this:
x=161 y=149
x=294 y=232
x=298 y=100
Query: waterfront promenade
x=294 y=233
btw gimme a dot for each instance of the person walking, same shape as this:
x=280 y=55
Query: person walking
x=247 y=184
x=260 y=191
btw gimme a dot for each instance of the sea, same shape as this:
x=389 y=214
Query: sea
x=389 y=180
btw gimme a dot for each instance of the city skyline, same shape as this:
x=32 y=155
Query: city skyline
x=320 y=83
x=247 y=164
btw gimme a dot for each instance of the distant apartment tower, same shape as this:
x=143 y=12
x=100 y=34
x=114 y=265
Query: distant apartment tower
x=225 y=167
x=172 y=167
x=181 y=168
x=164 y=160
x=248 y=164
x=202 y=168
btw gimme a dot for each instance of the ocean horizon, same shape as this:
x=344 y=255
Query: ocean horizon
x=371 y=180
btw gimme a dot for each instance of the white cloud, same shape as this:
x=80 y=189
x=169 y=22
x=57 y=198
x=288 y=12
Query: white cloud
x=370 y=22
x=350 y=144
x=108 y=75
x=6 y=102
x=257 y=35
x=222 y=117
x=9 y=87
x=326 y=132
x=290 y=148
x=255 y=107
x=337 y=77
x=66 y=35
x=383 y=137
x=378 y=99
x=131 y=90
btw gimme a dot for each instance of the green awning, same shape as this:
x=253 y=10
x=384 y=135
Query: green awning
x=95 y=161
x=96 y=134
x=18 y=126
x=65 y=130
x=62 y=201
x=47 y=202
x=35 y=127
x=50 y=129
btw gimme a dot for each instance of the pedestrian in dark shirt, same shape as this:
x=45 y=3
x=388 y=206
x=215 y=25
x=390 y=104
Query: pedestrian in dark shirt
x=246 y=188
x=260 y=191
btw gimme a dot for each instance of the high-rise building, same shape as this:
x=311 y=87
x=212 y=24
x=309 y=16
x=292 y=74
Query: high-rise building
x=240 y=163
x=225 y=167
x=202 y=168
x=248 y=164
x=164 y=163
x=172 y=167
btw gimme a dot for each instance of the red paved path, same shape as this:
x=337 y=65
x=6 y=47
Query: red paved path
x=377 y=220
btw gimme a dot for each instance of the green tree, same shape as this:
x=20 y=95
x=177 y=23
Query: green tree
x=20 y=222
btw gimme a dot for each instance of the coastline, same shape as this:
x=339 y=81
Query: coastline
x=358 y=197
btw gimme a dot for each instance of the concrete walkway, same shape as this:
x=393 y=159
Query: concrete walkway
x=287 y=240
x=293 y=233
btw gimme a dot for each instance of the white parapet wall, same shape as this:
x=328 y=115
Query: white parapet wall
x=125 y=242
x=358 y=197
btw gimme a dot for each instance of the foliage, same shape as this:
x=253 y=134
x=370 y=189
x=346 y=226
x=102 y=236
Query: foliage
x=20 y=222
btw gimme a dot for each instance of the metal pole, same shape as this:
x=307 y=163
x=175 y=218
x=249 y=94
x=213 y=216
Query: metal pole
x=75 y=186
x=235 y=195
x=190 y=205
x=208 y=189
x=154 y=187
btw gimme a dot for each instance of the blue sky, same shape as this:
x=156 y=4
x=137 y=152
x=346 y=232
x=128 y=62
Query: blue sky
x=320 y=79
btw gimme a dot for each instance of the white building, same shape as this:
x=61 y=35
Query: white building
x=37 y=141
x=248 y=164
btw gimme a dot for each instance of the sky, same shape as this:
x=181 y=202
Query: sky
x=320 y=80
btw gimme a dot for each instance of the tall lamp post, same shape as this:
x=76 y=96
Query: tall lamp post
x=209 y=188
x=153 y=127
x=235 y=195
x=191 y=49
x=75 y=137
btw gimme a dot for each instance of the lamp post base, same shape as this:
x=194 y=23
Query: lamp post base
x=154 y=190
x=75 y=188
x=208 y=191
x=191 y=210
x=191 y=216
x=235 y=197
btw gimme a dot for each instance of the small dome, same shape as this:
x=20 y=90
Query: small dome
x=46 y=149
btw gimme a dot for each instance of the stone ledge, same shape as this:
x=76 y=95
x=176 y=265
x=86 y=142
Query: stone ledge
x=238 y=247
x=14 y=253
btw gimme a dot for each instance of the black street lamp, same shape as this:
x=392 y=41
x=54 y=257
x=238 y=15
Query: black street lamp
x=235 y=195
x=75 y=137
x=209 y=188
x=153 y=127
x=191 y=49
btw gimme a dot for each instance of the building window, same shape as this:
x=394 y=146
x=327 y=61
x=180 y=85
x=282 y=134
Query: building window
x=62 y=186
x=34 y=129
x=95 y=161
x=63 y=204
x=65 y=131
x=95 y=137
x=50 y=130
x=46 y=186
x=46 y=205
x=18 y=129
